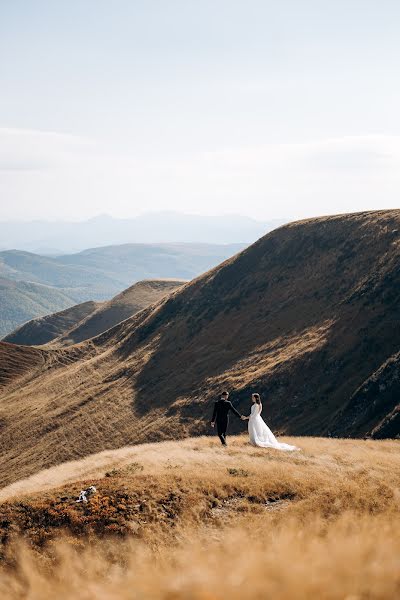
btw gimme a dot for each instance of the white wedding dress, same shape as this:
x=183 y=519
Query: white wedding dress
x=261 y=435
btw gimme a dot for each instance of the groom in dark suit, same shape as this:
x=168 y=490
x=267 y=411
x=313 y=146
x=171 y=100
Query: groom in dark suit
x=222 y=408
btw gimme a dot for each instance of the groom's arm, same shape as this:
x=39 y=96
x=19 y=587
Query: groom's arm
x=233 y=409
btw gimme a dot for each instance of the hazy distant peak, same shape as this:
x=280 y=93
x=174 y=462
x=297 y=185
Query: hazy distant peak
x=62 y=237
x=101 y=218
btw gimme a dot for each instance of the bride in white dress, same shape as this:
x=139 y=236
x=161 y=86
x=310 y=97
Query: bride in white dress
x=260 y=434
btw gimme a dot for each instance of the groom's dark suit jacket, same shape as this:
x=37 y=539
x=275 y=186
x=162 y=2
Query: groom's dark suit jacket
x=222 y=408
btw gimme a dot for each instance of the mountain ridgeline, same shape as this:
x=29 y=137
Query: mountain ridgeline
x=308 y=316
x=43 y=237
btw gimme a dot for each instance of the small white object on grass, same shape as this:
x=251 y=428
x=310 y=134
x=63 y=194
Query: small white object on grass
x=85 y=494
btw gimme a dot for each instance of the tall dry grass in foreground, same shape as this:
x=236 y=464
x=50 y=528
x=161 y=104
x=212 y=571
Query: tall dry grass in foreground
x=351 y=558
x=198 y=522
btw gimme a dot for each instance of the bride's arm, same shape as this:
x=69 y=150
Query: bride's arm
x=246 y=418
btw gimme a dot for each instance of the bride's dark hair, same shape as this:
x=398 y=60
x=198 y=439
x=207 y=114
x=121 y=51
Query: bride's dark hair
x=257 y=397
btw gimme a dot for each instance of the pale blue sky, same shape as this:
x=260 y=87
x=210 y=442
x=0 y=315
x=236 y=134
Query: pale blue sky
x=272 y=109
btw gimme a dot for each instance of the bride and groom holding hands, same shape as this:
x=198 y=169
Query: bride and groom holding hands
x=259 y=433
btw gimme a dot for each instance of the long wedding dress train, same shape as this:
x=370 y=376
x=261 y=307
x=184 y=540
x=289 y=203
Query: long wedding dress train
x=261 y=435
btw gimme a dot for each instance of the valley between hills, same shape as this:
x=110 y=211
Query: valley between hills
x=308 y=316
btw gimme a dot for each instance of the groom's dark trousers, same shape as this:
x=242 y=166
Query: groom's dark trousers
x=220 y=417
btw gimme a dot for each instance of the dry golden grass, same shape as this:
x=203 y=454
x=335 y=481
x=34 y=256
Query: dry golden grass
x=192 y=520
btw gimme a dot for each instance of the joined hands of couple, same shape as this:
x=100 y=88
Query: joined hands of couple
x=241 y=416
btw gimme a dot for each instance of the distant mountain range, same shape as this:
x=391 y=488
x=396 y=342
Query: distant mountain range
x=43 y=237
x=32 y=285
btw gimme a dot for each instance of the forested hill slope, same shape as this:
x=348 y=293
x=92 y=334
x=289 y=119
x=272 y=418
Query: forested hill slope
x=22 y=300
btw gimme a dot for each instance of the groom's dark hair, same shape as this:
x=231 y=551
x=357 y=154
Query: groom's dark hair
x=225 y=393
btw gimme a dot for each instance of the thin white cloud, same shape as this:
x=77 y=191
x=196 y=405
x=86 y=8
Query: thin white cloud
x=30 y=150
x=56 y=175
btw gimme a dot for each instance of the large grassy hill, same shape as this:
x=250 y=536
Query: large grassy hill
x=308 y=316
